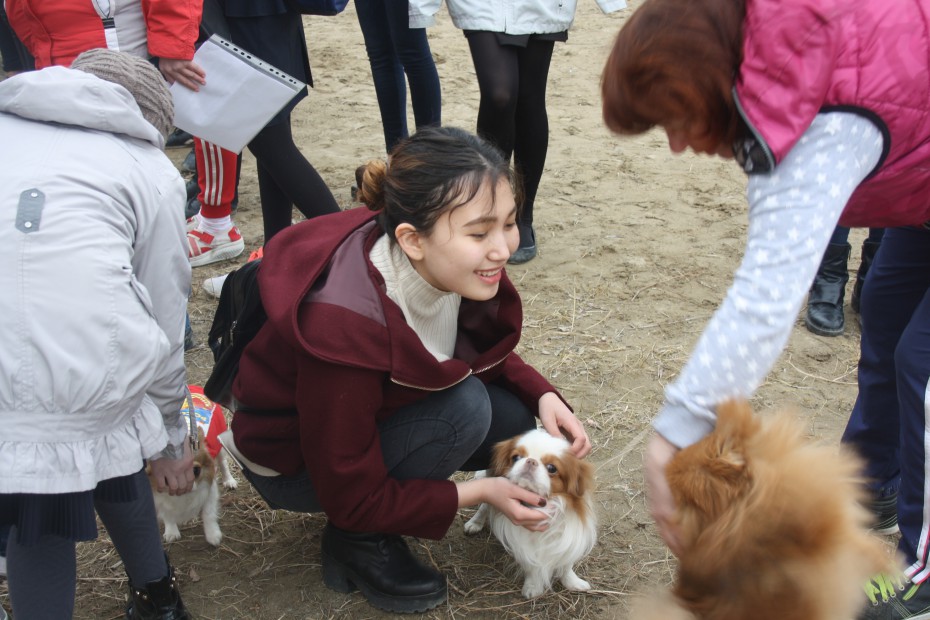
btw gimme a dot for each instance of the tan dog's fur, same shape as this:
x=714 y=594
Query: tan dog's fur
x=771 y=524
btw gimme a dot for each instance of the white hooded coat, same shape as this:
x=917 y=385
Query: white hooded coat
x=93 y=285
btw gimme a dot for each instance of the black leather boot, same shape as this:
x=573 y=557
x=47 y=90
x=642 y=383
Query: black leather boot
x=382 y=567
x=158 y=600
x=868 y=253
x=825 y=300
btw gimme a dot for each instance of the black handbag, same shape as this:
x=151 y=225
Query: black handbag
x=317 y=7
x=239 y=316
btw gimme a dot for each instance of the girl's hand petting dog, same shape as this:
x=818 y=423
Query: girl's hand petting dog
x=516 y=503
x=659 y=452
x=559 y=421
x=174 y=476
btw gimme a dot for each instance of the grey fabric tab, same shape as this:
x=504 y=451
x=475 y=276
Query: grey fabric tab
x=29 y=214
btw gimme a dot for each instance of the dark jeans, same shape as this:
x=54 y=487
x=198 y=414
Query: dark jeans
x=889 y=426
x=394 y=49
x=449 y=431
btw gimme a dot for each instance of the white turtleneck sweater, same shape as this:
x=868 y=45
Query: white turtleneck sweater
x=431 y=313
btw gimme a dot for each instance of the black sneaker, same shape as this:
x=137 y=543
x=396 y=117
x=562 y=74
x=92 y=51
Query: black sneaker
x=896 y=598
x=190 y=163
x=177 y=138
x=885 y=509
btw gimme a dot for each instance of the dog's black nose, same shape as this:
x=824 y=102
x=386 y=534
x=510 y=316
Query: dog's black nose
x=196 y=471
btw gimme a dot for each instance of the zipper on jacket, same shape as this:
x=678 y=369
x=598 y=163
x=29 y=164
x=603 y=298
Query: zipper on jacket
x=440 y=389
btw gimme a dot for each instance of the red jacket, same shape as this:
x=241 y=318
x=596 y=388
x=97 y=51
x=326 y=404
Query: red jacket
x=56 y=31
x=337 y=350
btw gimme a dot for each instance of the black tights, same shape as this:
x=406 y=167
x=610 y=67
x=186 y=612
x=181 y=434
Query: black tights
x=512 y=113
x=287 y=179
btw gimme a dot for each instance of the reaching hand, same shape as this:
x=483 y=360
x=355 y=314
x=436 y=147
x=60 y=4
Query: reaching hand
x=658 y=494
x=187 y=72
x=558 y=420
x=516 y=503
x=176 y=476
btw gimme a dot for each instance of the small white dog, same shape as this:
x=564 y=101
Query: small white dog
x=544 y=464
x=204 y=499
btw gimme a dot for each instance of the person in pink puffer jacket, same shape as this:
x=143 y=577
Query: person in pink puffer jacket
x=826 y=106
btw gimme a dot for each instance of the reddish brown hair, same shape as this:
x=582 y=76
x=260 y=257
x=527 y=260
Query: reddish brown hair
x=676 y=61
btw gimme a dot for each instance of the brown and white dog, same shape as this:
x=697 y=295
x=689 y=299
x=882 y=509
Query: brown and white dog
x=772 y=526
x=203 y=500
x=544 y=464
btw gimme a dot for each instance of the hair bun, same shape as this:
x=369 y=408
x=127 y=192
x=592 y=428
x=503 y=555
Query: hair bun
x=370 y=180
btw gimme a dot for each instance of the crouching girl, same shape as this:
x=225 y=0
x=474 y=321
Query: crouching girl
x=387 y=364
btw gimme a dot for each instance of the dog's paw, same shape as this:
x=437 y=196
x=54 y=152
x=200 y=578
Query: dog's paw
x=474 y=525
x=230 y=483
x=532 y=588
x=571 y=581
x=213 y=534
x=171 y=533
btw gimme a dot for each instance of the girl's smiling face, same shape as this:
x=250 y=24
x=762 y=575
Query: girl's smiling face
x=467 y=248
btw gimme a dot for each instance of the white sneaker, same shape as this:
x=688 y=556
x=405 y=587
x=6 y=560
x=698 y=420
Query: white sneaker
x=213 y=287
x=205 y=248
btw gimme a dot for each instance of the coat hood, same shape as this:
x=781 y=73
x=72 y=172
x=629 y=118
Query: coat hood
x=89 y=102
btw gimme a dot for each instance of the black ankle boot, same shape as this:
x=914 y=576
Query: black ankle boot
x=382 y=567
x=868 y=253
x=158 y=600
x=526 y=251
x=825 y=300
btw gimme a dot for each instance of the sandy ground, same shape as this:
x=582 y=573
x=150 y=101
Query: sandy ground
x=637 y=248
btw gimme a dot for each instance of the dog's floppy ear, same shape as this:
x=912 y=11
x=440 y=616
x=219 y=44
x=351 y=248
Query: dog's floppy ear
x=501 y=456
x=735 y=424
x=581 y=476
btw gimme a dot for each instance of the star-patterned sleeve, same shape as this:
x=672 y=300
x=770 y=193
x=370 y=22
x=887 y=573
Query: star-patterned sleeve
x=792 y=213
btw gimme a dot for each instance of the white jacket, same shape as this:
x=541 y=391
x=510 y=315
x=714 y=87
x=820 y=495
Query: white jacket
x=508 y=16
x=93 y=285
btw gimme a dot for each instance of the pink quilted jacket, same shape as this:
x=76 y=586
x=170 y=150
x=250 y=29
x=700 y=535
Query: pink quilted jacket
x=802 y=57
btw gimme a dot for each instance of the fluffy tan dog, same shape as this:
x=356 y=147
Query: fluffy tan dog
x=772 y=526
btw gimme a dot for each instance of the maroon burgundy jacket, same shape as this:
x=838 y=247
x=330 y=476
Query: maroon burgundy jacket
x=337 y=352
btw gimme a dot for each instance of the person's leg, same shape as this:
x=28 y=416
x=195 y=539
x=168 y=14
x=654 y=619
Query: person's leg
x=133 y=529
x=435 y=436
x=496 y=68
x=869 y=247
x=825 y=300
x=887 y=425
x=531 y=138
x=41 y=577
x=428 y=439
x=431 y=439
x=387 y=72
x=287 y=179
x=412 y=48
x=211 y=235
x=912 y=363
x=509 y=418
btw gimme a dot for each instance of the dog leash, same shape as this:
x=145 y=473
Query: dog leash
x=192 y=435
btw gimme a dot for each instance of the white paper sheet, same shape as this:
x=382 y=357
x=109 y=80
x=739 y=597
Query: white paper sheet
x=241 y=95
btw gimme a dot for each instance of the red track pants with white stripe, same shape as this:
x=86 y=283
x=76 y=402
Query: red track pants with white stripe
x=216 y=176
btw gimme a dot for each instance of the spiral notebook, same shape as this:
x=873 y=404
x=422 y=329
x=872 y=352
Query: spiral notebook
x=241 y=95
